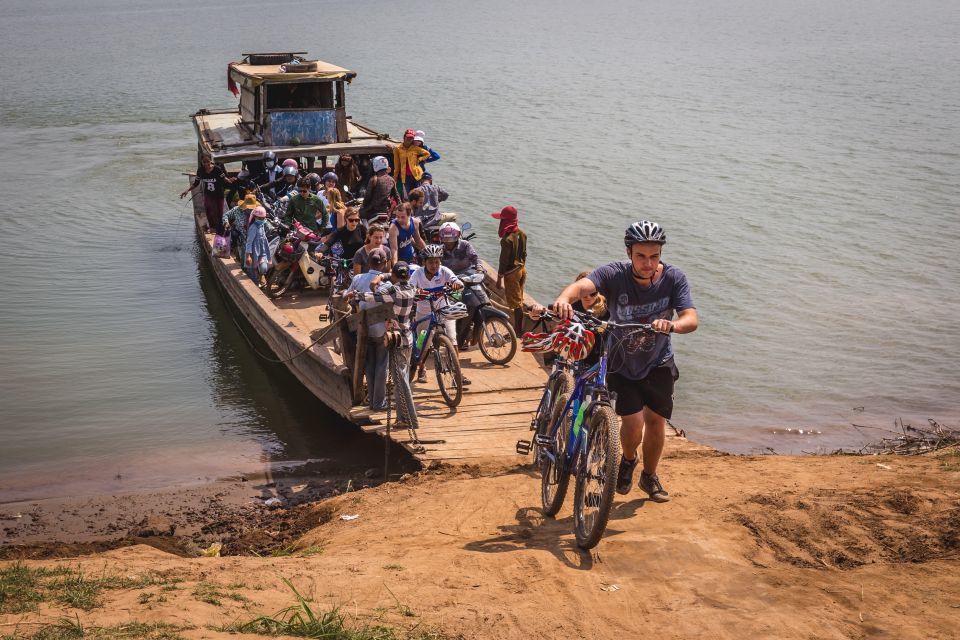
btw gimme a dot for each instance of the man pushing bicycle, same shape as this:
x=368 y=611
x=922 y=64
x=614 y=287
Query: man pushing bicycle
x=641 y=289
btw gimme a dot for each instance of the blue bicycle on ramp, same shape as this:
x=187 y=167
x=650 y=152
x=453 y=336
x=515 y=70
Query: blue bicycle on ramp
x=582 y=436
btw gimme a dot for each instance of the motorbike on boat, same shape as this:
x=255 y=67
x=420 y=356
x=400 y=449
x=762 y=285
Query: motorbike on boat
x=485 y=326
x=296 y=263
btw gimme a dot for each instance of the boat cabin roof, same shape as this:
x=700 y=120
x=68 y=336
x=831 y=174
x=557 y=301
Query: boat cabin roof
x=257 y=74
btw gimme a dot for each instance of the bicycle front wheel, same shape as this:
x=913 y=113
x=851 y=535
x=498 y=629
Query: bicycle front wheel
x=554 y=472
x=498 y=340
x=447 y=367
x=596 y=478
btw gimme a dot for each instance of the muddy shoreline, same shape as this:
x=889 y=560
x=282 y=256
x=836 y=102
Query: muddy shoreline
x=257 y=513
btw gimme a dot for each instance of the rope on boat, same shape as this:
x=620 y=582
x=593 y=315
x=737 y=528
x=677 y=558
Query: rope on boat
x=323 y=335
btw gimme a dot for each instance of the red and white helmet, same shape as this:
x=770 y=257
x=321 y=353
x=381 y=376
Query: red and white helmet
x=573 y=341
x=537 y=342
x=290 y=162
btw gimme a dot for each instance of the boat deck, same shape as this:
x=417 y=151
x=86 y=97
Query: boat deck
x=495 y=410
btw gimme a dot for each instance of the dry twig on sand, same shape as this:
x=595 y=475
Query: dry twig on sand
x=910 y=440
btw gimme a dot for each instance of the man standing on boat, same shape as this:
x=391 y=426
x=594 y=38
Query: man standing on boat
x=306 y=208
x=401 y=293
x=379 y=189
x=641 y=289
x=214 y=180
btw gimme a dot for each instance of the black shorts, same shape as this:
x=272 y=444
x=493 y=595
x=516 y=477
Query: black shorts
x=655 y=391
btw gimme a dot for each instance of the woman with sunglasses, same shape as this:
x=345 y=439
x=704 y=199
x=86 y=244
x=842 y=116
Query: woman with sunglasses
x=350 y=235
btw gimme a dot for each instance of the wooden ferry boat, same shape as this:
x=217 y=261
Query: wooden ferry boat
x=297 y=109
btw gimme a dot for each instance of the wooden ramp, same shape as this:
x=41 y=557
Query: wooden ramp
x=495 y=410
x=494 y=413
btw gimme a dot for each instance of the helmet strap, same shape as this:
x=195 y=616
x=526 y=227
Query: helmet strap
x=639 y=277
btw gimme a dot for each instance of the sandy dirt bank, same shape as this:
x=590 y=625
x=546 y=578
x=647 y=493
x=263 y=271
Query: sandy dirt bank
x=749 y=547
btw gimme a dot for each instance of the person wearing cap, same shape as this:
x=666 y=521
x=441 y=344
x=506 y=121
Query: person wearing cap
x=512 y=270
x=376 y=363
x=406 y=162
x=418 y=139
x=429 y=210
x=256 y=251
x=397 y=290
x=238 y=219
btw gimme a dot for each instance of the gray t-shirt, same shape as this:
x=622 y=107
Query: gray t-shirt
x=360 y=257
x=630 y=302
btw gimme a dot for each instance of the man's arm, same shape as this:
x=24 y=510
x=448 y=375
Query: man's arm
x=687 y=322
x=562 y=305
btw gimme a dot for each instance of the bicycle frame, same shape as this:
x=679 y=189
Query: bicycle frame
x=583 y=404
x=420 y=353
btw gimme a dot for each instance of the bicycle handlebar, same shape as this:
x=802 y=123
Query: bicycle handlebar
x=593 y=322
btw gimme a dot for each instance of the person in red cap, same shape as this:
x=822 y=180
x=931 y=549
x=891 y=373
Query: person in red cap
x=512 y=270
x=406 y=163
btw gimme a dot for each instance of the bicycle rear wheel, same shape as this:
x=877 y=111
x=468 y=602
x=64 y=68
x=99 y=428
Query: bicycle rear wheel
x=447 y=367
x=554 y=474
x=596 y=478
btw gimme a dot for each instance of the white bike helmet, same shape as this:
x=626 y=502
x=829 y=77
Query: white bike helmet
x=449 y=232
x=433 y=251
x=380 y=163
x=644 y=231
x=453 y=311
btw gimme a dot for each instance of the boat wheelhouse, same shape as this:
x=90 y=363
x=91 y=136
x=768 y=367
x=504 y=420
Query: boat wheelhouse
x=290 y=105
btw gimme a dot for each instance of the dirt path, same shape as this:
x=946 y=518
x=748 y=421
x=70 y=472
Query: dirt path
x=749 y=547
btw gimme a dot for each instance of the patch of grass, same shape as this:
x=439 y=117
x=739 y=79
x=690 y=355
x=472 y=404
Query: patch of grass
x=68 y=629
x=950 y=461
x=393 y=567
x=78 y=591
x=301 y=621
x=209 y=593
x=292 y=550
x=19 y=589
x=237 y=585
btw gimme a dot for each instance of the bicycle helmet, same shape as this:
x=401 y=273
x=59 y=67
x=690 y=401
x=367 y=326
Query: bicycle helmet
x=290 y=162
x=433 y=251
x=269 y=159
x=330 y=175
x=449 y=232
x=573 y=341
x=289 y=171
x=380 y=164
x=644 y=231
x=537 y=342
x=453 y=311
x=314 y=180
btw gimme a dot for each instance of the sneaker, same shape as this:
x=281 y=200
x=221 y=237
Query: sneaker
x=625 y=476
x=422 y=376
x=650 y=483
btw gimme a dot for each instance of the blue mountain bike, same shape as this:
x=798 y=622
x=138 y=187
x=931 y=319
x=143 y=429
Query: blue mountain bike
x=582 y=437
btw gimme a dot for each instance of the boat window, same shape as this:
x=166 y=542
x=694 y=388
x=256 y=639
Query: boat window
x=300 y=95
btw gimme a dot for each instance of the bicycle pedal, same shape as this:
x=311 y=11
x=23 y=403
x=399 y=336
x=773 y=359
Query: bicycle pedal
x=543 y=440
x=324 y=317
x=523 y=447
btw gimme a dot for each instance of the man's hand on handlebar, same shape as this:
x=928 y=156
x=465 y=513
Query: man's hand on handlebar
x=662 y=326
x=562 y=308
x=456 y=286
